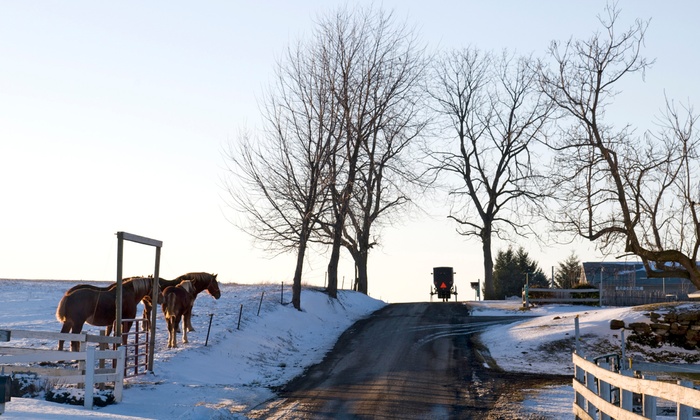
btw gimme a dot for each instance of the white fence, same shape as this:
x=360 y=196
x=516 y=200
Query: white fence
x=604 y=394
x=542 y=295
x=16 y=359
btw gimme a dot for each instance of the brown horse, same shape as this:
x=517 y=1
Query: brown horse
x=200 y=281
x=147 y=302
x=176 y=301
x=97 y=306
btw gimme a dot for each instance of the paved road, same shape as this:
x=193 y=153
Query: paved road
x=407 y=361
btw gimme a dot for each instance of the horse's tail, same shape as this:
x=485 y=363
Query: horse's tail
x=61 y=309
x=169 y=302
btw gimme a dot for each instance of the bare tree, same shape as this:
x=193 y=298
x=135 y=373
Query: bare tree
x=628 y=193
x=492 y=107
x=338 y=121
x=384 y=183
x=280 y=182
x=377 y=69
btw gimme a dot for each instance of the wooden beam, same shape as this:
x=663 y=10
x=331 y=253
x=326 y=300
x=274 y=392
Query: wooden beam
x=562 y=300
x=537 y=289
x=155 y=291
x=140 y=239
x=42 y=356
x=50 y=335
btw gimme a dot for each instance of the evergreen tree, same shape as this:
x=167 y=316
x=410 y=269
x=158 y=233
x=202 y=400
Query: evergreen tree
x=569 y=272
x=512 y=270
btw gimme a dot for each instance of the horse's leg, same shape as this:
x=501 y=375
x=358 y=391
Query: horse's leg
x=76 y=329
x=184 y=332
x=175 y=322
x=127 y=328
x=172 y=332
x=184 y=324
x=188 y=318
x=67 y=325
x=167 y=325
x=147 y=308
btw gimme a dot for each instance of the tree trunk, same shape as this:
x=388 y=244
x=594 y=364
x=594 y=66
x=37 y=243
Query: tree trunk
x=489 y=291
x=296 y=284
x=361 y=267
x=332 y=289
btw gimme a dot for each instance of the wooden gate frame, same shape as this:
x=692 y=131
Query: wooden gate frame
x=121 y=237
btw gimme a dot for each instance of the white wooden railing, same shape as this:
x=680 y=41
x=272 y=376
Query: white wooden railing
x=600 y=393
x=15 y=359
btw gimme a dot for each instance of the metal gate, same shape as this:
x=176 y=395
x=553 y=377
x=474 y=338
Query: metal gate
x=137 y=348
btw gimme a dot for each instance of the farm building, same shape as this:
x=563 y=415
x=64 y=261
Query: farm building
x=627 y=283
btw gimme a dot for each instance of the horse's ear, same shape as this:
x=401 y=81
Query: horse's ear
x=214 y=275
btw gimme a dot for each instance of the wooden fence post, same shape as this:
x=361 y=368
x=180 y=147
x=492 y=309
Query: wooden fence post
x=119 y=382
x=604 y=390
x=82 y=346
x=211 y=316
x=580 y=378
x=592 y=386
x=89 y=376
x=649 y=403
x=526 y=297
x=627 y=397
x=260 y=304
x=577 y=337
x=683 y=411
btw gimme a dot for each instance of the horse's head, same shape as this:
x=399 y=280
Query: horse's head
x=213 y=287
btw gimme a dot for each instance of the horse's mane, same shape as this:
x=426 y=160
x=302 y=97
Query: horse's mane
x=199 y=276
x=139 y=284
x=203 y=281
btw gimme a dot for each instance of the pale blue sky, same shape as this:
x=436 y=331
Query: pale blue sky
x=113 y=116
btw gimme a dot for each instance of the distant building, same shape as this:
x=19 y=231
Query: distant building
x=623 y=276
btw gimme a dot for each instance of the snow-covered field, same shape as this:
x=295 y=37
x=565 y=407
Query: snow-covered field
x=234 y=371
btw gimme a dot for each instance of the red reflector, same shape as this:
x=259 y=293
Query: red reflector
x=443 y=285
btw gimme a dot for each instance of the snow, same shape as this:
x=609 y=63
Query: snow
x=521 y=347
x=234 y=372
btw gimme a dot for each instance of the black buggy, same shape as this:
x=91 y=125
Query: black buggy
x=443 y=283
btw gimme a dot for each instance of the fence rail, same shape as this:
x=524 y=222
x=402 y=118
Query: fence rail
x=600 y=391
x=15 y=359
x=542 y=295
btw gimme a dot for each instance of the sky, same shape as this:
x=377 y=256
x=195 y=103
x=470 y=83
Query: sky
x=235 y=371
x=114 y=116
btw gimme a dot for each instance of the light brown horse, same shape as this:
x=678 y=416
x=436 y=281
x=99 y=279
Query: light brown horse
x=147 y=302
x=176 y=301
x=97 y=306
x=200 y=281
